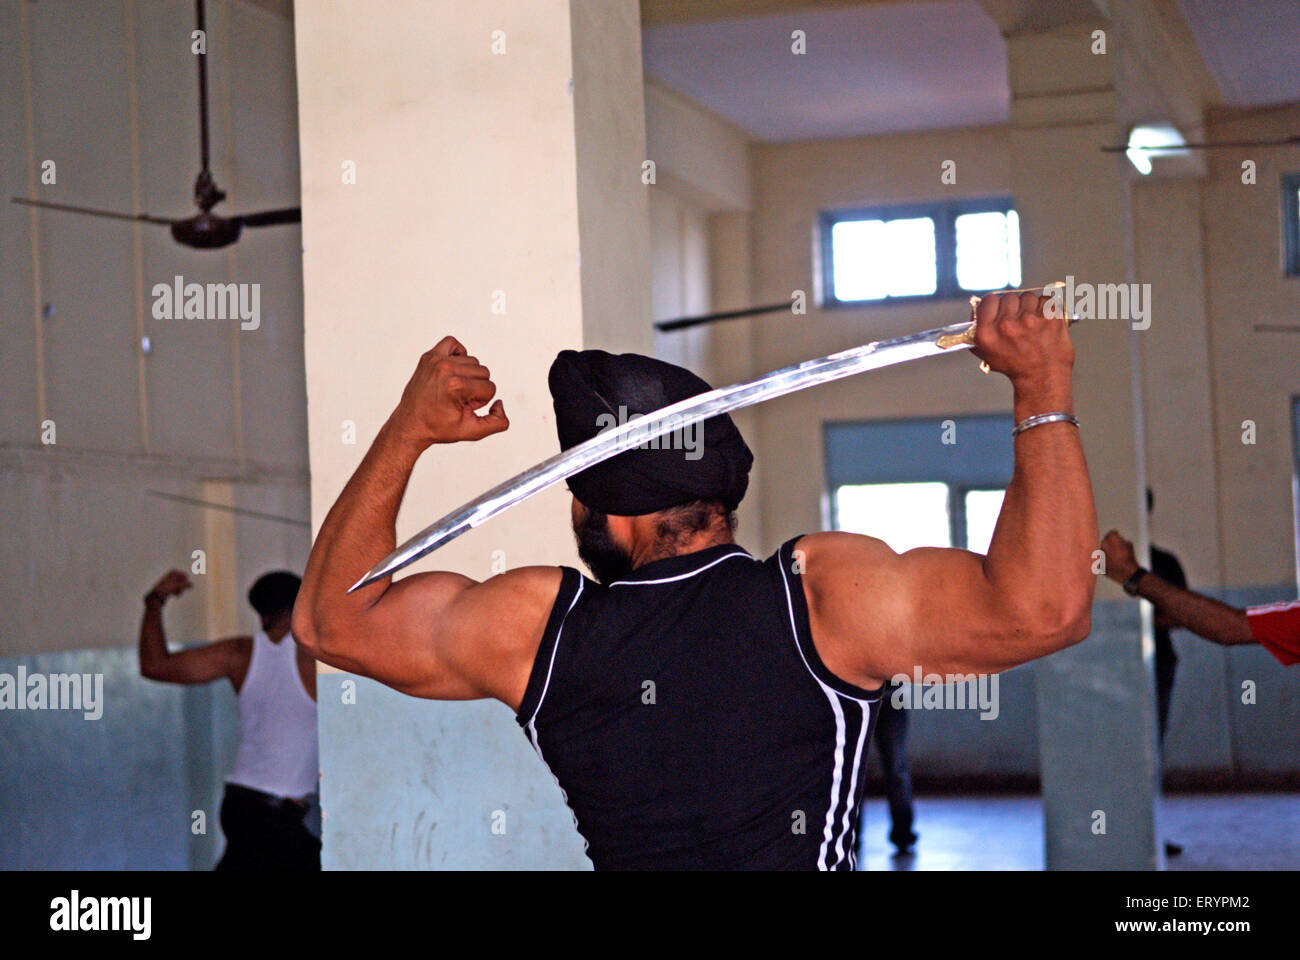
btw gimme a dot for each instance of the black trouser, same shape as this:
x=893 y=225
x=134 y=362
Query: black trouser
x=1166 y=667
x=891 y=738
x=265 y=832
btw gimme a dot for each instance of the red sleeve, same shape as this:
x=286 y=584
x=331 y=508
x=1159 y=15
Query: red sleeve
x=1277 y=627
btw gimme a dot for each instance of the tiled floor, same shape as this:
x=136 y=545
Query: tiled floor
x=1218 y=831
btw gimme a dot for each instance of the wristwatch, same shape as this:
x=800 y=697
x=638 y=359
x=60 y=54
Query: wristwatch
x=1131 y=584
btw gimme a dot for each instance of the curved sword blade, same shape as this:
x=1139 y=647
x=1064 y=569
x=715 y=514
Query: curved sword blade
x=676 y=416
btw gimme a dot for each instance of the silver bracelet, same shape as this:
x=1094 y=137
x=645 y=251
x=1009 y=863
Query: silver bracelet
x=1030 y=422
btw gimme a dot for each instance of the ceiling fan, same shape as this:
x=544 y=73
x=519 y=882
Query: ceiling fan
x=204 y=230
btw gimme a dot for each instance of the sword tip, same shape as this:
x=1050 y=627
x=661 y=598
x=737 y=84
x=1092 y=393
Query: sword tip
x=370 y=577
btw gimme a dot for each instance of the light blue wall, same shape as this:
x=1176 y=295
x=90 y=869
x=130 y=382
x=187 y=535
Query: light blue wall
x=1211 y=732
x=411 y=784
x=117 y=792
x=1210 y=727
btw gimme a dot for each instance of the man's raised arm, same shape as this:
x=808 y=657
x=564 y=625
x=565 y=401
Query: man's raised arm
x=212 y=661
x=1204 y=616
x=879 y=614
x=436 y=635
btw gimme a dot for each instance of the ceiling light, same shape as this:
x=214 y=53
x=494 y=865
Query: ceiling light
x=1149 y=140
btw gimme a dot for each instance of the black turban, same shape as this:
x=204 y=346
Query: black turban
x=589 y=386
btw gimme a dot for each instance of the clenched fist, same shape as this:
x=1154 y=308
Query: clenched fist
x=439 y=403
x=1121 y=561
x=1015 y=337
x=172 y=584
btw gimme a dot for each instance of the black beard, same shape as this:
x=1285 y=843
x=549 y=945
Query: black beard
x=606 y=559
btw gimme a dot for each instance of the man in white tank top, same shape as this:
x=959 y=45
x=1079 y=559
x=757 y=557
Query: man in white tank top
x=272 y=785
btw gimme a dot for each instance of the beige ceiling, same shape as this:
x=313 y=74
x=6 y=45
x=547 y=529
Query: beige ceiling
x=1251 y=47
x=885 y=66
x=869 y=68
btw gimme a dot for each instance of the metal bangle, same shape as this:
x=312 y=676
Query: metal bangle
x=1030 y=422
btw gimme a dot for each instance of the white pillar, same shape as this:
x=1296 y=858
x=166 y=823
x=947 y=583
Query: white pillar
x=1097 y=741
x=470 y=169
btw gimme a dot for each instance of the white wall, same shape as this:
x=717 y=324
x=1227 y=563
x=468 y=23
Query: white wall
x=793 y=184
x=1255 y=373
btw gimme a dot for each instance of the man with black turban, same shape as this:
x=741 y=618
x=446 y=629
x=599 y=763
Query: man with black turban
x=700 y=707
x=689 y=480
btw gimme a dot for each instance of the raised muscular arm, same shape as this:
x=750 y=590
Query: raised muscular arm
x=437 y=635
x=876 y=614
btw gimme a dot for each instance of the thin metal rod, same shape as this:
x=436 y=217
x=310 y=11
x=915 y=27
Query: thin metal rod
x=69 y=208
x=683 y=322
x=1221 y=144
x=203 y=87
x=229 y=509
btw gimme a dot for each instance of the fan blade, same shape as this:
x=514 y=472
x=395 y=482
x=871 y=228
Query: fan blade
x=68 y=208
x=270 y=218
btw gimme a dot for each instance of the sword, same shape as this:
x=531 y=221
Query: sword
x=647 y=427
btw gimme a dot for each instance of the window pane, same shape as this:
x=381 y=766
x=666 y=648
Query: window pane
x=874 y=259
x=982 y=509
x=1013 y=249
x=904 y=515
x=988 y=250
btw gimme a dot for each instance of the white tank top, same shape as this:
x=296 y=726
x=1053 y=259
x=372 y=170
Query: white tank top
x=277 y=724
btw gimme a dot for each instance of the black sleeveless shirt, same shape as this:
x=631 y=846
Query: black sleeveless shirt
x=690 y=723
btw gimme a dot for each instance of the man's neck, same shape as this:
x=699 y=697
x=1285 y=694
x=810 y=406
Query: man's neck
x=651 y=551
x=277 y=631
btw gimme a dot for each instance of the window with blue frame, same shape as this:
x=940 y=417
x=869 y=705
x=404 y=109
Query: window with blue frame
x=936 y=250
x=1291 y=222
x=932 y=482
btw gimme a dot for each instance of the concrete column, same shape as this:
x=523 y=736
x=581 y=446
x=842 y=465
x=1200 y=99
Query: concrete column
x=1182 y=462
x=1096 y=715
x=468 y=169
x=731 y=266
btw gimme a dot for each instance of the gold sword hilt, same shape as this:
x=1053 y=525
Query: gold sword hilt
x=967 y=336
